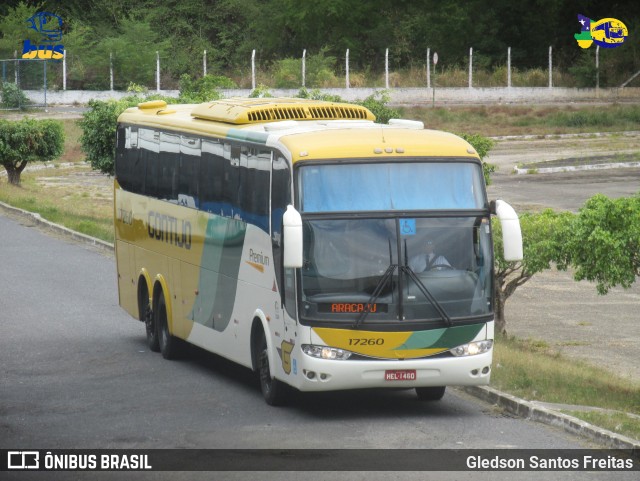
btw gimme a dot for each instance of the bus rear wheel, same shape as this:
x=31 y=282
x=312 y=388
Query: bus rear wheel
x=431 y=393
x=169 y=345
x=146 y=315
x=273 y=391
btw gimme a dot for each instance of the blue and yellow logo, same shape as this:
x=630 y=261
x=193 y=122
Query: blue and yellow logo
x=49 y=26
x=606 y=32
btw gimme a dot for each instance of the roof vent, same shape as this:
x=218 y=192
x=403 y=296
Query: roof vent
x=250 y=111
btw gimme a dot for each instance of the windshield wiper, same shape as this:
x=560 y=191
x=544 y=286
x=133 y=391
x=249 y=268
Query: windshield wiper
x=376 y=293
x=427 y=294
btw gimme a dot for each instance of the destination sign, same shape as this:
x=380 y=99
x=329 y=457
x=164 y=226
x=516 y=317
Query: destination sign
x=351 y=307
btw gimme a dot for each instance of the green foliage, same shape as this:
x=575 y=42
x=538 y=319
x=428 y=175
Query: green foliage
x=603 y=243
x=482 y=145
x=99 y=125
x=203 y=89
x=316 y=94
x=136 y=89
x=261 y=91
x=13 y=97
x=287 y=73
x=377 y=104
x=584 y=70
x=14 y=31
x=543 y=237
x=277 y=29
x=28 y=140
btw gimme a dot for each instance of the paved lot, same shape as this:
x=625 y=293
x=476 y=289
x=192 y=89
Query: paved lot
x=571 y=316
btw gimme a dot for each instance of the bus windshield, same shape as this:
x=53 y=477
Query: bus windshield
x=392 y=186
x=397 y=269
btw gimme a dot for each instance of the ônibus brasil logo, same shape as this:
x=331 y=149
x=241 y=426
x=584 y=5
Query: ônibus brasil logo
x=49 y=26
x=606 y=32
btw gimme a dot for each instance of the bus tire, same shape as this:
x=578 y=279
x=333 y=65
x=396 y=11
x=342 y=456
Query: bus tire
x=170 y=346
x=273 y=391
x=145 y=314
x=431 y=393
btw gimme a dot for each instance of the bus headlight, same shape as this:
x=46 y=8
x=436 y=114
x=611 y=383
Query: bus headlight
x=472 y=348
x=325 y=352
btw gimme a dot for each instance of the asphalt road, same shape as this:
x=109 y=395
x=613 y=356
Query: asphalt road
x=76 y=373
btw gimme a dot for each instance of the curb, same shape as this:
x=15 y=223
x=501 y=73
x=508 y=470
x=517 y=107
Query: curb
x=575 y=168
x=535 y=412
x=102 y=245
x=583 y=135
x=510 y=403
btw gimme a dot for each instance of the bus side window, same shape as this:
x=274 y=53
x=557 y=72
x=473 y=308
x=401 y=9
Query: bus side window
x=188 y=171
x=255 y=187
x=212 y=177
x=168 y=159
x=149 y=143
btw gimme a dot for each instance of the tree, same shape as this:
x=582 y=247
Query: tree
x=543 y=236
x=14 y=31
x=603 y=242
x=482 y=145
x=28 y=140
x=99 y=125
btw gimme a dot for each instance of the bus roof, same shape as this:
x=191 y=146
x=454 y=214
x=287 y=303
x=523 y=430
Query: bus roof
x=302 y=128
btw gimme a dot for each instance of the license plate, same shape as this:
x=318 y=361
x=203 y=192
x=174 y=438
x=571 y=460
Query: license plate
x=400 y=375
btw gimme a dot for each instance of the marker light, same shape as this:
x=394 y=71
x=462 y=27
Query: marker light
x=472 y=349
x=325 y=352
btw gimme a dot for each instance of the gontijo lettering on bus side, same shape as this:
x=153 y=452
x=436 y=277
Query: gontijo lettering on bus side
x=169 y=229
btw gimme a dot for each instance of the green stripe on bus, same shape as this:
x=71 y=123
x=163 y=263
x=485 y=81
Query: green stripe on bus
x=248 y=135
x=442 y=338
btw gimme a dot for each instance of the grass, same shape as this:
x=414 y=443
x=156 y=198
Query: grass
x=620 y=423
x=496 y=120
x=58 y=195
x=532 y=370
x=63 y=203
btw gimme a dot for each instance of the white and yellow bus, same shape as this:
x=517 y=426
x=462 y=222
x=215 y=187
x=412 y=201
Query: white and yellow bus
x=308 y=243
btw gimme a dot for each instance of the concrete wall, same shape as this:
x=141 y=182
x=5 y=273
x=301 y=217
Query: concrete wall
x=399 y=96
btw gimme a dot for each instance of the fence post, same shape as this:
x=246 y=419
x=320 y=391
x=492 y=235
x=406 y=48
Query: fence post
x=347 y=69
x=15 y=70
x=509 y=67
x=428 y=68
x=45 y=85
x=111 y=71
x=386 y=68
x=64 y=70
x=550 y=68
x=470 y=67
x=204 y=64
x=597 y=67
x=157 y=71
x=304 y=69
x=253 y=69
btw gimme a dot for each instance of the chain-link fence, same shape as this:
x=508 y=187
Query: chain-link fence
x=22 y=74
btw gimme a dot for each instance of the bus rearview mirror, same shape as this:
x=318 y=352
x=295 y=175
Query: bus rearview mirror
x=511 y=233
x=292 y=230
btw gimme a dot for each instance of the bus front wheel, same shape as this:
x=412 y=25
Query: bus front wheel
x=431 y=393
x=274 y=391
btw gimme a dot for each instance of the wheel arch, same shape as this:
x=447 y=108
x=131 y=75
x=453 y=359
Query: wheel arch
x=161 y=286
x=144 y=282
x=260 y=324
